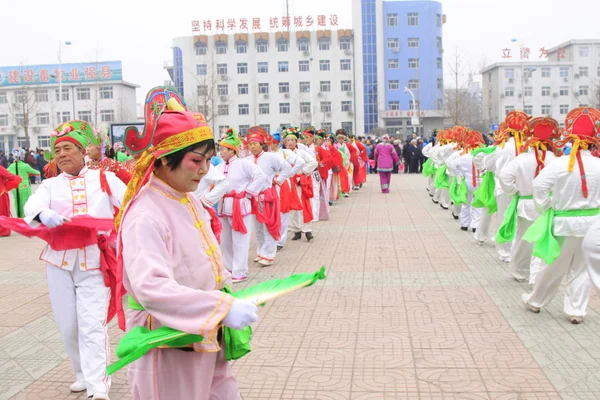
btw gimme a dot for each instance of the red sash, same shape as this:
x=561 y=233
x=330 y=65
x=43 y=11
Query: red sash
x=266 y=211
x=237 y=220
x=215 y=223
x=289 y=198
x=307 y=194
x=113 y=279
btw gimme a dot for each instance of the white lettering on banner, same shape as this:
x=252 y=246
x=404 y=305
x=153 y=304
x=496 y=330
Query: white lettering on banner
x=285 y=22
x=411 y=114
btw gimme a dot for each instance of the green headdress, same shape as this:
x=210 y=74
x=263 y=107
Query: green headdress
x=79 y=133
x=231 y=140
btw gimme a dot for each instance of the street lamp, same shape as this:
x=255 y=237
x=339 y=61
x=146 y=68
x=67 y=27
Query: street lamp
x=60 y=44
x=414 y=121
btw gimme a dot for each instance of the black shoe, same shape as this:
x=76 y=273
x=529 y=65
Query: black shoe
x=474 y=230
x=279 y=248
x=434 y=202
x=331 y=203
x=445 y=208
x=455 y=216
x=297 y=236
x=309 y=236
x=464 y=228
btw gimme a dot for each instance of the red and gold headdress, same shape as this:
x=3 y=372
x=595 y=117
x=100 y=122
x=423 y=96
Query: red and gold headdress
x=542 y=133
x=582 y=127
x=516 y=124
x=257 y=134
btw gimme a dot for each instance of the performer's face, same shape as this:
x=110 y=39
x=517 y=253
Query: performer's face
x=69 y=157
x=187 y=176
x=255 y=148
x=341 y=139
x=274 y=146
x=290 y=144
x=320 y=141
x=308 y=140
x=226 y=153
x=93 y=152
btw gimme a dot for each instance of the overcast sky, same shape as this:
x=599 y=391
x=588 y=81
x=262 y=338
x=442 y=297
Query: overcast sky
x=140 y=33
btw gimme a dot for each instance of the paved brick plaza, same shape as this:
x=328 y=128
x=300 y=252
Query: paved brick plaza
x=412 y=309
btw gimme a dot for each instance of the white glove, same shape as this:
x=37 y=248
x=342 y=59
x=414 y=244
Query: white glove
x=52 y=219
x=241 y=314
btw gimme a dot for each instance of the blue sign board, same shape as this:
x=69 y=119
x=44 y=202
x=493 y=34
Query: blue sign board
x=71 y=73
x=495 y=127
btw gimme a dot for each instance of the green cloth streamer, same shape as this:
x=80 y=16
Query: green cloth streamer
x=428 y=168
x=459 y=192
x=508 y=230
x=486 y=150
x=483 y=196
x=140 y=340
x=541 y=232
x=441 y=179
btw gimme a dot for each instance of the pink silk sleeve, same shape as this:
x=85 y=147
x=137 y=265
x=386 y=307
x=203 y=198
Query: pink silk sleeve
x=149 y=271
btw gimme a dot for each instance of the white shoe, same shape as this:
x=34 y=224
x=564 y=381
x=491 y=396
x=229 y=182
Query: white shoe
x=575 y=319
x=265 y=263
x=257 y=259
x=100 y=396
x=78 y=387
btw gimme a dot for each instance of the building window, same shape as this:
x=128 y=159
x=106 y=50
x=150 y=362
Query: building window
x=267 y=128
x=564 y=72
x=438 y=20
x=241 y=47
x=303 y=44
x=263 y=88
x=598 y=71
x=223 y=128
x=42 y=118
x=305 y=107
x=440 y=104
x=242 y=88
x=242 y=68
x=325 y=106
x=346 y=106
x=243 y=129
x=41 y=96
x=243 y=109
x=413 y=105
x=106 y=92
x=202 y=90
x=393 y=63
x=284 y=108
x=508 y=109
x=439 y=63
x=284 y=87
x=346 y=86
x=583 y=71
x=564 y=91
x=221 y=69
x=263 y=67
x=202 y=109
x=509 y=73
x=413 y=84
x=263 y=108
x=394 y=84
x=85 y=116
x=583 y=90
x=545 y=90
x=347 y=126
x=63 y=117
x=584 y=51
x=304 y=87
x=528 y=92
x=438 y=42
x=283 y=66
x=201 y=69
x=345 y=43
x=345 y=65
x=221 y=47
x=303 y=66
x=223 y=109
x=546 y=72
x=19 y=119
x=3 y=119
x=324 y=65
x=107 y=115
x=509 y=92
x=392 y=20
x=3 y=98
x=282 y=45
x=44 y=141
x=200 y=48
x=325 y=86
x=262 y=46
x=65 y=95
x=413 y=19
x=413 y=42
x=413 y=63
x=564 y=108
x=324 y=43
x=393 y=105
x=223 y=89
x=392 y=43
x=528 y=109
x=546 y=109
x=83 y=93
x=440 y=83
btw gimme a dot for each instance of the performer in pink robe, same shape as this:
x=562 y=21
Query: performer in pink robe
x=386 y=157
x=172 y=262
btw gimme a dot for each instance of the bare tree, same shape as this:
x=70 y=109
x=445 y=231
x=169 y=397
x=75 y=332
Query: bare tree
x=22 y=108
x=463 y=103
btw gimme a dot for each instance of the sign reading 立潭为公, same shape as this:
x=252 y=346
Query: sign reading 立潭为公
x=258 y=24
x=69 y=73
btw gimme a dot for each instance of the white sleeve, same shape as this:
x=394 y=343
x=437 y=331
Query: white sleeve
x=38 y=202
x=282 y=168
x=220 y=184
x=489 y=162
x=427 y=150
x=311 y=162
x=118 y=189
x=542 y=186
x=508 y=177
x=258 y=180
x=298 y=162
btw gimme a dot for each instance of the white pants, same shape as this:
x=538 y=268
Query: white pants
x=444 y=197
x=572 y=264
x=522 y=265
x=316 y=200
x=80 y=303
x=297 y=217
x=591 y=250
x=469 y=216
x=430 y=185
x=483 y=228
x=235 y=246
x=503 y=249
x=266 y=246
x=285 y=223
x=456 y=209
